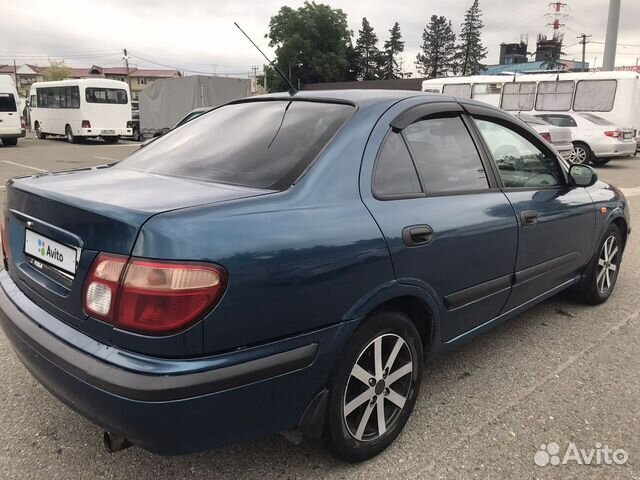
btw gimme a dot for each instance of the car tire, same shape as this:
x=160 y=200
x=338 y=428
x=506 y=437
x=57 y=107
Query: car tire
x=39 y=133
x=600 y=277
x=600 y=161
x=581 y=154
x=111 y=139
x=356 y=435
x=10 y=142
x=68 y=132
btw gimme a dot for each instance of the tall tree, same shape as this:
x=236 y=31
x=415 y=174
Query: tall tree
x=57 y=70
x=437 y=58
x=311 y=45
x=470 y=50
x=369 y=56
x=392 y=48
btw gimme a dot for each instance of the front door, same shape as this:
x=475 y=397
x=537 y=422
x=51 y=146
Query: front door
x=556 y=220
x=447 y=226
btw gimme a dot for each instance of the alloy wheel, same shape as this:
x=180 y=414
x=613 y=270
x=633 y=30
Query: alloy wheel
x=378 y=387
x=578 y=155
x=607 y=265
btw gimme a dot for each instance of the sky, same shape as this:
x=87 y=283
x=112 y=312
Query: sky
x=198 y=36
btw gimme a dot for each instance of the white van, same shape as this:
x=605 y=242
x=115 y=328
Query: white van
x=79 y=109
x=11 y=121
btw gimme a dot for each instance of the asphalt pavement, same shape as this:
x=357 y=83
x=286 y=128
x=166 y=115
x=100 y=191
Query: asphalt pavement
x=561 y=373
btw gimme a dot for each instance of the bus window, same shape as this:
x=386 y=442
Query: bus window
x=487 y=92
x=462 y=90
x=518 y=96
x=58 y=97
x=555 y=96
x=595 y=95
x=106 y=95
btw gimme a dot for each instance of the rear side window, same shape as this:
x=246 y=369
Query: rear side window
x=395 y=173
x=561 y=120
x=7 y=102
x=106 y=95
x=446 y=156
x=256 y=144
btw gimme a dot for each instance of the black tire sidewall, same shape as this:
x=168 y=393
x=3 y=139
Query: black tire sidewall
x=336 y=436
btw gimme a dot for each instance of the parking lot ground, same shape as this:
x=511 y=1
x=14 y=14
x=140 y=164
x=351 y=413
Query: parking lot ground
x=561 y=372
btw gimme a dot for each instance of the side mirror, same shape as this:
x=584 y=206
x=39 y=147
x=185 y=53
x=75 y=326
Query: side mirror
x=582 y=175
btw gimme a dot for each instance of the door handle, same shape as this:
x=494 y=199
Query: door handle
x=529 y=217
x=416 y=235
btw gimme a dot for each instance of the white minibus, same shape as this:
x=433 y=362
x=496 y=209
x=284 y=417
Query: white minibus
x=11 y=121
x=79 y=109
x=614 y=96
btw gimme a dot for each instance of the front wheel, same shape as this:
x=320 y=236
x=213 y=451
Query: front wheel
x=602 y=273
x=374 y=388
x=581 y=154
x=600 y=161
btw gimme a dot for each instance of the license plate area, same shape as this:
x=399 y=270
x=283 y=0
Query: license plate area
x=45 y=253
x=108 y=132
x=628 y=135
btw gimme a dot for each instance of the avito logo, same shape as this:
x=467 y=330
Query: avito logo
x=46 y=251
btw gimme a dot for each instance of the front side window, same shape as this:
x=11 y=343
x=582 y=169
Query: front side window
x=446 y=156
x=555 y=96
x=263 y=144
x=521 y=164
x=7 y=102
x=395 y=173
x=106 y=95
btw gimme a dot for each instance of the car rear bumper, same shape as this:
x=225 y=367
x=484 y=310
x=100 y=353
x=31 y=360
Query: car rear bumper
x=211 y=401
x=614 y=148
x=18 y=133
x=105 y=132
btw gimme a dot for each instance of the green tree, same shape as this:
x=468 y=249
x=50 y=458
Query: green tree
x=437 y=58
x=369 y=56
x=392 y=48
x=311 y=45
x=57 y=70
x=470 y=50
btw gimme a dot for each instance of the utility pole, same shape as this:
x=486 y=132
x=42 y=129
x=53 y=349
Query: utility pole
x=15 y=73
x=611 y=40
x=126 y=63
x=584 y=42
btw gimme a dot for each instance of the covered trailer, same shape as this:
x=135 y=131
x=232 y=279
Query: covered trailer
x=168 y=100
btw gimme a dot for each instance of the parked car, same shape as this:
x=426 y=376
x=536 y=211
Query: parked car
x=11 y=120
x=595 y=139
x=289 y=261
x=559 y=137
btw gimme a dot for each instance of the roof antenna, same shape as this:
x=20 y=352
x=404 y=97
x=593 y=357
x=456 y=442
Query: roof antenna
x=292 y=90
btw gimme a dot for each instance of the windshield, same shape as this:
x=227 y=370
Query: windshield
x=7 y=102
x=595 y=119
x=106 y=95
x=265 y=144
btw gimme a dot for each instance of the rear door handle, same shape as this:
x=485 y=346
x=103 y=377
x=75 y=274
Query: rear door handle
x=529 y=217
x=416 y=235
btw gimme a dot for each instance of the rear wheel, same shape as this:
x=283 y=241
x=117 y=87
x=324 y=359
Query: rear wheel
x=136 y=134
x=111 y=139
x=39 y=133
x=10 y=142
x=71 y=138
x=374 y=388
x=581 y=154
x=602 y=273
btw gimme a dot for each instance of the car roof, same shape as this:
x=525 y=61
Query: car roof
x=361 y=97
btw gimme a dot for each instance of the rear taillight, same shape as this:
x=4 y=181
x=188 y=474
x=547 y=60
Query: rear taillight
x=86 y=124
x=149 y=296
x=613 y=133
x=546 y=136
x=22 y=124
x=4 y=236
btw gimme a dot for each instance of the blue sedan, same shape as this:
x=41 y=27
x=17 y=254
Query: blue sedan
x=290 y=261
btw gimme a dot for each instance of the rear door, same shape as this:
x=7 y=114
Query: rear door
x=9 y=115
x=556 y=220
x=447 y=226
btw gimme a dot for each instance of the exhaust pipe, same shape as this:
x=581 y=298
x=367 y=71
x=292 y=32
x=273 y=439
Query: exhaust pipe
x=114 y=442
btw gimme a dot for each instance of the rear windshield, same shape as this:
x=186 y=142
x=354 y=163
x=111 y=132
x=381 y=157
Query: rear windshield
x=106 y=95
x=7 y=102
x=257 y=144
x=595 y=119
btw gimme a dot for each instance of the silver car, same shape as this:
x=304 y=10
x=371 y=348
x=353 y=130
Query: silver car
x=559 y=137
